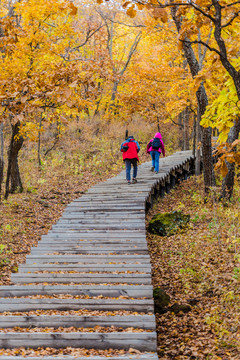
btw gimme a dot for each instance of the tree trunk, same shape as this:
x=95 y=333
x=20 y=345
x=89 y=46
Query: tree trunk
x=219 y=28
x=181 y=128
x=198 y=144
x=186 y=115
x=1 y=157
x=202 y=100
x=13 y=174
x=113 y=105
x=209 y=179
x=114 y=91
x=39 y=142
x=194 y=135
x=228 y=181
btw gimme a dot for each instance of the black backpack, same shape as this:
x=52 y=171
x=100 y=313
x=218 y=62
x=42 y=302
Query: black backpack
x=156 y=144
x=125 y=147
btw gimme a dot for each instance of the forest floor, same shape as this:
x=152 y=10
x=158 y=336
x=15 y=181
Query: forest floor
x=198 y=266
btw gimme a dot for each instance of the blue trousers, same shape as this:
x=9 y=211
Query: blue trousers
x=155 y=159
x=128 y=163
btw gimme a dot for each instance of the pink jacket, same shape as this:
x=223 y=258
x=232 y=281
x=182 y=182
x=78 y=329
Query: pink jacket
x=161 y=149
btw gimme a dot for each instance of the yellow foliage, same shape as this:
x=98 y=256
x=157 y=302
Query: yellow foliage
x=131 y=11
x=159 y=13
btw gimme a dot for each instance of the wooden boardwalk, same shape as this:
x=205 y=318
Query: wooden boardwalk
x=91 y=273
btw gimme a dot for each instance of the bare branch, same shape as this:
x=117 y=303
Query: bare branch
x=188 y=4
x=90 y=33
x=174 y=122
x=52 y=147
x=203 y=43
x=205 y=49
x=232 y=4
x=132 y=50
x=65 y=58
x=127 y=25
x=231 y=21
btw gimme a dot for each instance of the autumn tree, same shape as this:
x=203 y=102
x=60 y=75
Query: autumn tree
x=221 y=19
x=34 y=76
x=224 y=18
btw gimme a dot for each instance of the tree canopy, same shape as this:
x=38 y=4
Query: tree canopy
x=111 y=61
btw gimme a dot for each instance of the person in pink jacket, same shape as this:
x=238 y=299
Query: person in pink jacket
x=155 y=148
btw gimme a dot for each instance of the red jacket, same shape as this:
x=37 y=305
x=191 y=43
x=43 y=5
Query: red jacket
x=132 y=151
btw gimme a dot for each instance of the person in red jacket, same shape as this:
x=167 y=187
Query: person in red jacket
x=130 y=149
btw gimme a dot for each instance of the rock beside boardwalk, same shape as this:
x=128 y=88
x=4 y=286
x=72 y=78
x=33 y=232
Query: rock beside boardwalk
x=167 y=224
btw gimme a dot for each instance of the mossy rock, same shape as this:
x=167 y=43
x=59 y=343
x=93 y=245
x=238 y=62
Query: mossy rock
x=167 y=224
x=177 y=308
x=161 y=300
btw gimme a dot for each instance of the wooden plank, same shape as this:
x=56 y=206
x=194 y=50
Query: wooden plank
x=99 y=235
x=101 y=222
x=28 y=304
x=143 y=341
x=23 y=268
x=87 y=236
x=76 y=216
x=106 y=234
x=104 y=224
x=92 y=205
x=111 y=201
x=89 y=247
x=88 y=259
x=105 y=214
x=95 y=233
x=144 y=356
x=92 y=244
x=101 y=208
x=92 y=241
x=146 y=322
x=107 y=231
x=76 y=227
x=66 y=259
x=95 y=258
x=112 y=198
x=41 y=251
x=98 y=220
x=81 y=278
x=105 y=205
x=79 y=218
x=119 y=185
x=136 y=291
x=132 y=192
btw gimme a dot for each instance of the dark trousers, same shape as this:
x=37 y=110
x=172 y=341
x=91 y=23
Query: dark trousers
x=128 y=163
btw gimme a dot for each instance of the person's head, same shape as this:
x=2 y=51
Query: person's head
x=130 y=137
x=158 y=135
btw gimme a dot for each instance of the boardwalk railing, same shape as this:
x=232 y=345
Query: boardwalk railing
x=88 y=282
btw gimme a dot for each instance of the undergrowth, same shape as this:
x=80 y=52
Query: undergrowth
x=200 y=267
